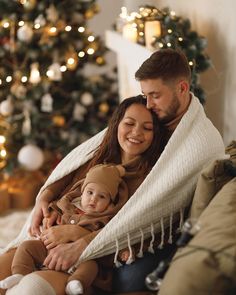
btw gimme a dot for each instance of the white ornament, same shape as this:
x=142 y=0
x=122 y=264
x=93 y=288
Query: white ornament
x=30 y=157
x=26 y=125
x=6 y=107
x=46 y=103
x=25 y=33
x=54 y=72
x=86 y=98
x=34 y=74
x=79 y=112
x=40 y=20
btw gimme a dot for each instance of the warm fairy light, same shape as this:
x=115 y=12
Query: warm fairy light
x=180 y=39
x=6 y=25
x=90 y=51
x=81 y=29
x=3 y=153
x=172 y=13
x=141 y=34
x=91 y=38
x=24 y=79
x=70 y=61
x=169 y=31
x=37 y=26
x=63 y=68
x=0 y=81
x=53 y=30
x=49 y=73
x=23 y=1
x=190 y=63
x=2 y=139
x=8 y=79
x=81 y=54
x=68 y=28
x=168 y=44
x=160 y=45
x=21 y=23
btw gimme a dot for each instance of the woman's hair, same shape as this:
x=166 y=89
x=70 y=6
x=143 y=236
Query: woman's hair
x=166 y=64
x=109 y=150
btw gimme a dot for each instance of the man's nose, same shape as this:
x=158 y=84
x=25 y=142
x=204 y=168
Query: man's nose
x=149 y=103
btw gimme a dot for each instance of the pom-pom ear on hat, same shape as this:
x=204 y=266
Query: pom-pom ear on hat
x=108 y=176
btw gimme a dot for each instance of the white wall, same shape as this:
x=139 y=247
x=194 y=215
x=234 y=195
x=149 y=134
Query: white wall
x=214 y=19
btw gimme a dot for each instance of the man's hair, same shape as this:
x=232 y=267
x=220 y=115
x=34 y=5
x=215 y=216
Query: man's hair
x=166 y=64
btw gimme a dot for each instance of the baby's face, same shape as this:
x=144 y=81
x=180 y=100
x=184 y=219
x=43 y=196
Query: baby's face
x=95 y=198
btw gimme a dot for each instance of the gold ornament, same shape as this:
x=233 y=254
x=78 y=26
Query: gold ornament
x=59 y=121
x=104 y=107
x=28 y=4
x=100 y=60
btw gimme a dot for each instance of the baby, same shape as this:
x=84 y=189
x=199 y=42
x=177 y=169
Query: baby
x=90 y=203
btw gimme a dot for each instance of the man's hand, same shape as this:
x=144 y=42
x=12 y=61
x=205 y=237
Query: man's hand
x=64 y=256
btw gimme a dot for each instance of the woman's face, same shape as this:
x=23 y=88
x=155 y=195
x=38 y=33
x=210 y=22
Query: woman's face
x=135 y=132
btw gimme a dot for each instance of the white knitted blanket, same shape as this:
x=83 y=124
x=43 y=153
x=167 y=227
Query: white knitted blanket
x=167 y=189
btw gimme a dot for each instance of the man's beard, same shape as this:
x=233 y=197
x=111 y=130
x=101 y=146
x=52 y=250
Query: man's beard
x=171 y=113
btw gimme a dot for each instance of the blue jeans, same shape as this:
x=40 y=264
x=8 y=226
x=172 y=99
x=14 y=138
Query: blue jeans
x=131 y=278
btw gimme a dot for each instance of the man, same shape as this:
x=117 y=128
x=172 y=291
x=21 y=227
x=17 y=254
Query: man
x=165 y=79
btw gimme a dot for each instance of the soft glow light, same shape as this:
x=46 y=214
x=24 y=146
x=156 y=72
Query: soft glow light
x=172 y=13
x=21 y=23
x=168 y=44
x=160 y=44
x=2 y=139
x=24 y=79
x=63 y=68
x=8 y=79
x=0 y=81
x=49 y=73
x=81 y=54
x=53 y=30
x=81 y=29
x=180 y=39
x=123 y=13
x=190 y=63
x=90 y=51
x=68 y=28
x=6 y=25
x=3 y=153
x=169 y=31
x=70 y=61
x=23 y=1
x=37 y=26
x=91 y=38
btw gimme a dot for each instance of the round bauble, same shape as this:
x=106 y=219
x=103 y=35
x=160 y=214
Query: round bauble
x=30 y=157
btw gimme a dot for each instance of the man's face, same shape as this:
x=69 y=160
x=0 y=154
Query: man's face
x=163 y=99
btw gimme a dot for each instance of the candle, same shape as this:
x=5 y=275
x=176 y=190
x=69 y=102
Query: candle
x=130 y=32
x=152 y=29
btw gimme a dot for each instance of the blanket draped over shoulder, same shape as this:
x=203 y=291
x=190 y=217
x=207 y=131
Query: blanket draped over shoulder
x=167 y=190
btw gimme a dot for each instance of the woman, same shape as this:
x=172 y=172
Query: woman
x=132 y=132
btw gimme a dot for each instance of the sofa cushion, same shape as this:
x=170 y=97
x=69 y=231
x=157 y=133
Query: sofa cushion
x=207 y=264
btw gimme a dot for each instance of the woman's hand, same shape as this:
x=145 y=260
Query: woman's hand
x=40 y=211
x=64 y=256
x=60 y=234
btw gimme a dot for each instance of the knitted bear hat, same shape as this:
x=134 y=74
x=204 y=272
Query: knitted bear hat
x=108 y=176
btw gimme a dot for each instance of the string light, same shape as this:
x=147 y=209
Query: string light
x=8 y=79
x=6 y=24
x=2 y=139
x=68 y=28
x=81 y=54
x=24 y=79
x=81 y=29
x=90 y=51
x=91 y=38
x=63 y=68
x=37 y=26
x=21 y=23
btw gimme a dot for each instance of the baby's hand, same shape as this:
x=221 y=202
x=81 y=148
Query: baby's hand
x=50 y=220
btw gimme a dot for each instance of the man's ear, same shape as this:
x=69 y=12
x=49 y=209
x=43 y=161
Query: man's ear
x=183 y=86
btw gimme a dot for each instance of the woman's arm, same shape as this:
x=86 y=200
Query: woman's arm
x=65 y=233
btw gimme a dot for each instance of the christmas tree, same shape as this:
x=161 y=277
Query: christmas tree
x=47 y=102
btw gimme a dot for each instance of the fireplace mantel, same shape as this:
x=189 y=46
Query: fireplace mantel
x=130 y=56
